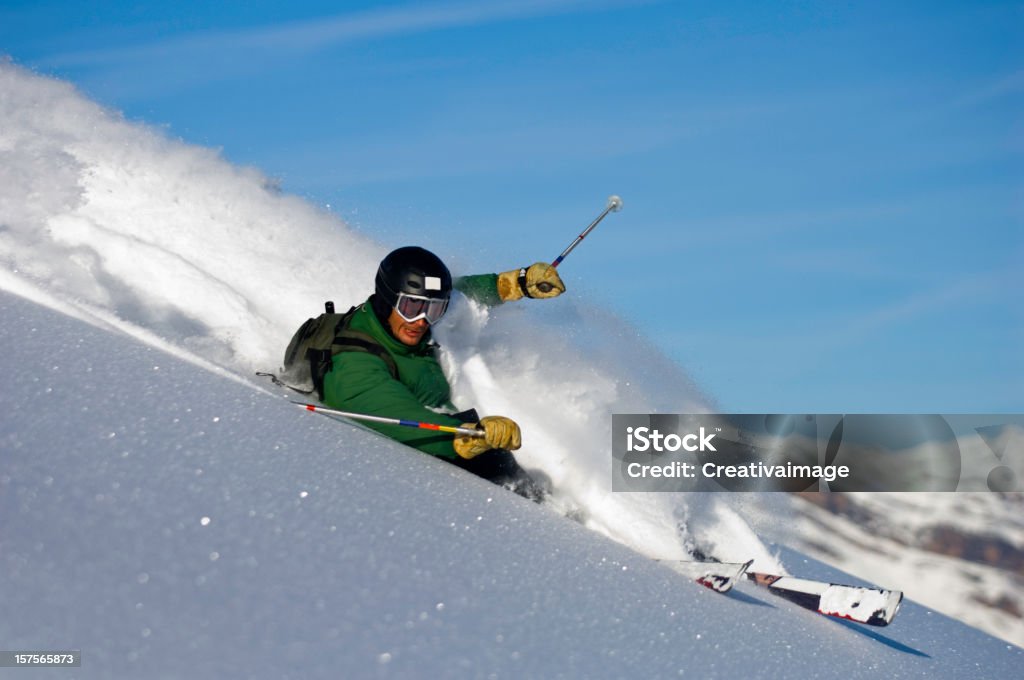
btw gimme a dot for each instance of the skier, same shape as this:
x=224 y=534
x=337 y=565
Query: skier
x=411 y=293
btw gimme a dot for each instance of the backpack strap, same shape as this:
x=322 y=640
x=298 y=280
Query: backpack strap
x=345 y=340
x=354 y=341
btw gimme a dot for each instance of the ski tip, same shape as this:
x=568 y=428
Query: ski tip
x=874 y=607
x=717 y=576
x=723 y=581
x=884 y=616
x=720 y=583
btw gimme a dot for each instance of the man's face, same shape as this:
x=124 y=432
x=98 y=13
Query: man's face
x=407 y=332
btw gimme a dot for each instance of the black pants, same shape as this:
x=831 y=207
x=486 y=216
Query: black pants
x=500 y=467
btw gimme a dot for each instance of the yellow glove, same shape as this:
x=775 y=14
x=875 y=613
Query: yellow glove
x=539 y=280
x=499 y=433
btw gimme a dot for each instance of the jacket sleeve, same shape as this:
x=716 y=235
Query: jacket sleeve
x=481 y=287
x=360 y=382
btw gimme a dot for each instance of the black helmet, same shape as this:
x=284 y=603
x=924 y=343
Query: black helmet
x=414 y=271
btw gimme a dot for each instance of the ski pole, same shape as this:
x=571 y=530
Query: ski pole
x=614 y=205
x=391 y=421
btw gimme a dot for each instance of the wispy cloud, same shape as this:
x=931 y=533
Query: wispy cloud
x=1007 y=85
x=968 y=290
x=804 y=343
x=314 y=34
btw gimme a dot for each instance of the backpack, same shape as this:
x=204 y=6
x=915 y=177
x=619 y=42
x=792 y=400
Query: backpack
x=313 y=346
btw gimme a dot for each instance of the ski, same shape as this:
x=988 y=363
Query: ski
x=718 y=576
x=871 y=606
x=867 y=605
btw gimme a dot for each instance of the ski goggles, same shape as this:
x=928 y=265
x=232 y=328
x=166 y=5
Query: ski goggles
x=416 y=307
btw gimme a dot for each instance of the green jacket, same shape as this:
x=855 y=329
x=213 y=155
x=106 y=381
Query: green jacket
x=360 y=381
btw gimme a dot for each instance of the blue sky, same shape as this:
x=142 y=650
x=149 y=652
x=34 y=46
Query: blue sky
x=824 y=202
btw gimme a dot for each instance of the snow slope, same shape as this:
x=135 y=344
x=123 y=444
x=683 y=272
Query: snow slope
x=169 y=522
x=152 y=490
x=119 y=225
